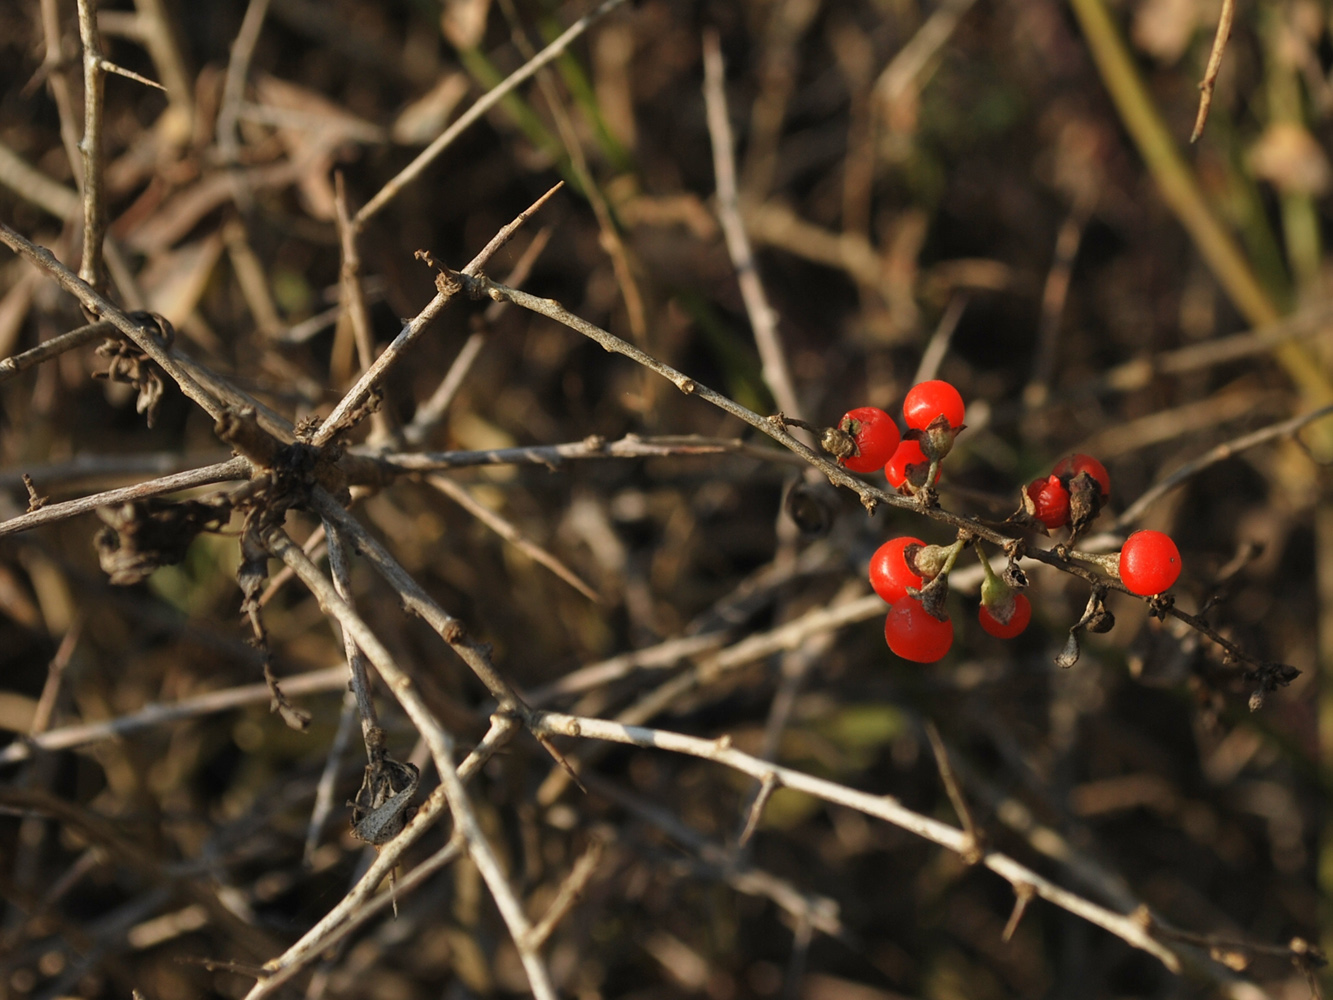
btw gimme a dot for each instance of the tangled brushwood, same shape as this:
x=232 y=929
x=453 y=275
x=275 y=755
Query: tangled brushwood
x=432 y=561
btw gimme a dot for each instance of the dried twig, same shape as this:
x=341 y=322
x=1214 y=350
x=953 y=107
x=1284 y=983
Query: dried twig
x=359 y=684
x=90 y=148
x=553 y=455
x=142 y=334
x=56 y=346
x=441 y=746
x=1209 y=80
x=70 y=737
x=763 y=319
x=355 y=398
x=506 y=529
x=358 y=905
x=879 y=806
x=432 y=411
x=233 y=89
x=1219 y=453
x=488 y=101
x=237 y=468
x=568 y=895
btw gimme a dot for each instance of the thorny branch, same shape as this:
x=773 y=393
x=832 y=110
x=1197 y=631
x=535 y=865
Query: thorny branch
x=879 y=806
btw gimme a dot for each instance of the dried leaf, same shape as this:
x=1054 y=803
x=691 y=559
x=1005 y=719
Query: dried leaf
x=1069 y=655
x=1291 y=159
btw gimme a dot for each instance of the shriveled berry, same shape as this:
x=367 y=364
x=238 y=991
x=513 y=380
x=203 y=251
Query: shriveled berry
x=915 y=634
x=928 y=400
x=1018 y=619
x=874 y=434
x=889 y=573
x=1067 y=468
x=909 y=462
x=1050 y=501
x=1149 y=563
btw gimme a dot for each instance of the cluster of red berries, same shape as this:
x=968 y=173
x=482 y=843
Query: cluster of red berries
x=904 y=571
x=900 y=571
x=869 y=438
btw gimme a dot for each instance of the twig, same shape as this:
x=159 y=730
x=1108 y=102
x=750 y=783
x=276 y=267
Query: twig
x=774 y=427
x=662 y=656
x=129 y=854
x=568 y=894
x=53 y=66
x=879 y=806
x=612 y=241
x=314 y=546
x=358 y=905
x=237 y=468
x=68 y=737
x=933 y=356
x=553 y=455
x=1220 y=453
x=1023 y=894
x=720 y=862
x=789 y=636
x=511 y=534
x=767 y=787
x=795 y=665
x=432 y=411
x=870 y=497
x=157 y=36
x=1054 y=295
x=476 y=655
x=356 y=660
x=90 y=148
x=142 y=334
x=355 y=397
x=911 y=61
x=328 y=778
x=352 y=298
x=763 y=320
x=441 y=745
x=55 y=672
x=976 y=842
x=13 y=366
x=488 y=101
x=233 y=89
x=1214 y=67
x=1220 y=948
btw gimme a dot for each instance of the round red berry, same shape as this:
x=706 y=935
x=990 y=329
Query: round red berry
x=875 y=435
x=1050 y=501
x=1149 y=563
x=1067 y=468
x=1016 y=624
x=908 y=455
x=889 y=573
x=915 y=634
x=929 y=400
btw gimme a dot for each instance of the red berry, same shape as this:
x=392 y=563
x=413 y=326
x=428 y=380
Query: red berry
x=915 y=634
x=1007 y=630
x=875 y=434
x=928 y=400
x=1050 y=501
x=889 y=573
x=1149 y=563
x=908 y=455
x=1068 y=468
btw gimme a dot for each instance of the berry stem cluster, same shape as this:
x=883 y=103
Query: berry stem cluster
x=912 y=576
